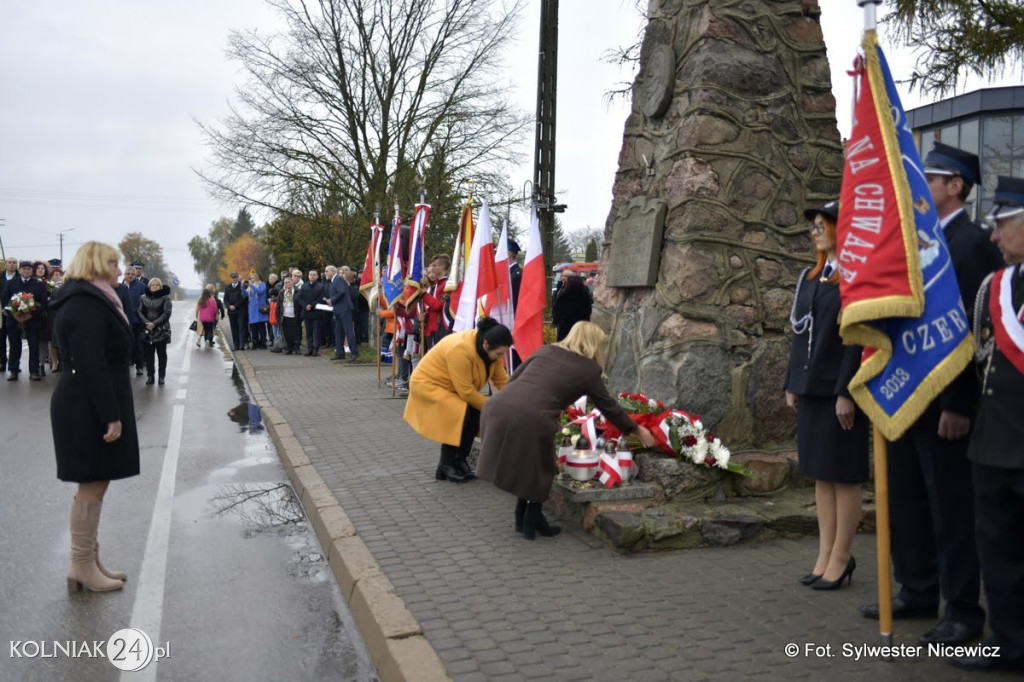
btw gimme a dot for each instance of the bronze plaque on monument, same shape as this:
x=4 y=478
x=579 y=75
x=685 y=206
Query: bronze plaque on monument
x=636 y=244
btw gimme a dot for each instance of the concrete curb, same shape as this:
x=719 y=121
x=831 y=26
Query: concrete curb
x=393 y=637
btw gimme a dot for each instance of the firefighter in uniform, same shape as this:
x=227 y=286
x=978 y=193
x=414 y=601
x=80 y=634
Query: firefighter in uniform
x=996 y=450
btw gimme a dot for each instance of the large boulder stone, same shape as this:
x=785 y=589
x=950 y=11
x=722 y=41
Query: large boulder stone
x=747 y=139
x=679 y=481
x=771 y=473
x=623 y=530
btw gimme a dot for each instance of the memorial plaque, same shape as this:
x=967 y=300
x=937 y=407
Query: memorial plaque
x=659 y=81
x=636 y=244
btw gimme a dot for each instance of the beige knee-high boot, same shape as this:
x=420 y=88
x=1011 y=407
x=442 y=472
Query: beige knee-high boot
x=116 y=575
x=84 y=573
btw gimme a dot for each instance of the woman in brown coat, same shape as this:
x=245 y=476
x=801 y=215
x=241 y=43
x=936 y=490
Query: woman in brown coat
x=519 y=424
x=444 y=392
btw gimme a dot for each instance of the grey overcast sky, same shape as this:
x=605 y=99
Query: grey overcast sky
x=97 y=137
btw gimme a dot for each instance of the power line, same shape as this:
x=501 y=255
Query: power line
x=156 y=203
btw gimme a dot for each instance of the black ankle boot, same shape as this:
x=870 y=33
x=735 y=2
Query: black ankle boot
x=520 y=511
x=534 y=522
x=446 y=468
x=447 y=472
x=462 y=466
x=149 y=380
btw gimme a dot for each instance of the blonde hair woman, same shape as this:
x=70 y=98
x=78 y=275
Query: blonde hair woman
x=92 y=413
x=520 y=422
x=155 y=314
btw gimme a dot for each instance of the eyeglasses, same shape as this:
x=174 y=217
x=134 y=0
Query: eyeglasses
x=816 y=228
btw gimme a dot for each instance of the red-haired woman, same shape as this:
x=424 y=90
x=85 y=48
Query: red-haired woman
x=832 y=434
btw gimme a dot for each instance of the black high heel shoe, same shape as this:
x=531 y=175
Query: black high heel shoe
x=809 y=579
x=847 y=575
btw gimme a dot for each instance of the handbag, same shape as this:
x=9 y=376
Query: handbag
x=273 y=312
x=192 y=327
x=263 y=309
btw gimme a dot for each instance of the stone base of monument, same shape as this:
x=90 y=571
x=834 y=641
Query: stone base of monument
x=675 y=505
x=630 y=524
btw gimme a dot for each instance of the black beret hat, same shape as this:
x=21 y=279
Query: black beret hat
x=831 y=209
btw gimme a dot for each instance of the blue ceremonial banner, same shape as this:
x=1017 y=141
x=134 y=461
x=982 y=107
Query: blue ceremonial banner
x=899 y=291
x=394 y=283
x=414 y=273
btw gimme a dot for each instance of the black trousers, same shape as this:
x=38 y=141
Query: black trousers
x=16 y=334
x=345 y=331
x=290 y=327
x=239 y=329
x=932 y=520
x=7 y=322
x=470 y=427
x=258 y=334
x=160 y=351
x=208 y=328
x=138 y=357
x=312 y=321
x=999 y=511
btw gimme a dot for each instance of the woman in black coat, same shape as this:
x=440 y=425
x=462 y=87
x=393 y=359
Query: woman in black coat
x=572 y=304
x=92 y=412
x=832 y=434
x=155 y=316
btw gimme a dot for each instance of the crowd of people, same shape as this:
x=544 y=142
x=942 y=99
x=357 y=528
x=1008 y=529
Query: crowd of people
x=34 y=281
x=956 y=477
x=271 y=315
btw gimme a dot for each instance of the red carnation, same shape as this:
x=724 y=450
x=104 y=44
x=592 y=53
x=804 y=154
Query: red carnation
x=689 y=441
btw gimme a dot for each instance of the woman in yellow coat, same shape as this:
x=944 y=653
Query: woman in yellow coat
x=444 y=393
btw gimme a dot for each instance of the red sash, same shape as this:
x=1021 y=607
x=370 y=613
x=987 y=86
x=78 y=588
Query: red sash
x=1008 y=330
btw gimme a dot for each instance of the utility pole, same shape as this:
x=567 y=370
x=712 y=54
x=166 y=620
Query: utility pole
x=3 y=254
x=544 y=150
x=61 y=235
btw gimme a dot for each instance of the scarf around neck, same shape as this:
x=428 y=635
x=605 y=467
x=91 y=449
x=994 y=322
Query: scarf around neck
x=108 y=291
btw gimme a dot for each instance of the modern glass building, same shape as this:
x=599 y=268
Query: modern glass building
x=989 y=123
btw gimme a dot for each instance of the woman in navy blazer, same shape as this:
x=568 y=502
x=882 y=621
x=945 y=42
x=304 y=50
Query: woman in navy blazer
x=832 y=434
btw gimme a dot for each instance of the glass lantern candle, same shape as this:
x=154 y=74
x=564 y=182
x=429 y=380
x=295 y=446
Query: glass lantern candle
x=563 y=453
x=624 y=456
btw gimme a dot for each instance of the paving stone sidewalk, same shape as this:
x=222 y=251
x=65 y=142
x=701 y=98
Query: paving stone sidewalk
x=496 y=607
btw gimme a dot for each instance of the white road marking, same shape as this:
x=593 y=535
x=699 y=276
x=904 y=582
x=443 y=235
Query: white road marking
x=147 y=612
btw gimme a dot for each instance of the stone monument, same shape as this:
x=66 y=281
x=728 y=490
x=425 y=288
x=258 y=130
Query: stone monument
x=732 y=134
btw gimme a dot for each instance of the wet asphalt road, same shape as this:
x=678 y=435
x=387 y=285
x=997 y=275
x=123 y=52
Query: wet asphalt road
x=224 y=571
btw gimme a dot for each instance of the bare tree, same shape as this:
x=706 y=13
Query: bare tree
x=349 y=106
x=578 y=238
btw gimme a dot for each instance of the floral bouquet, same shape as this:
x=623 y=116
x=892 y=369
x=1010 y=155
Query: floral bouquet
x=22 y=305
x=676 y=433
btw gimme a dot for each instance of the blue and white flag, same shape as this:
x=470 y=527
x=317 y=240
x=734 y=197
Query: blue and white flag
x=394 y=281
x=899 y=292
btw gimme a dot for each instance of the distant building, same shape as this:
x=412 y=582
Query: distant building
x=989 y=123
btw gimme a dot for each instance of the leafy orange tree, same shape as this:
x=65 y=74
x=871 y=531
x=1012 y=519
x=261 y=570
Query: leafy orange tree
x=243 y=255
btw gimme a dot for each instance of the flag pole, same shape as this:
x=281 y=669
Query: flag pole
x=376 y=299
x=394 y=336
x=882 y=537
x=880 y=449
